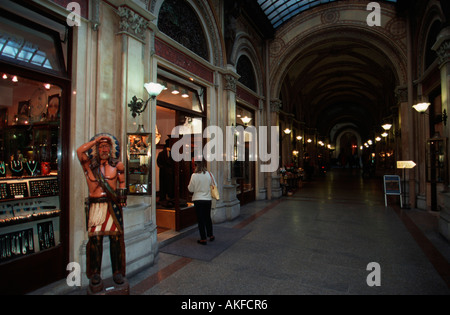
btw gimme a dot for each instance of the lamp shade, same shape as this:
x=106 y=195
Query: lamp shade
x=153 y=89
x=387 y=127
x=421 y=107
x=246 y=119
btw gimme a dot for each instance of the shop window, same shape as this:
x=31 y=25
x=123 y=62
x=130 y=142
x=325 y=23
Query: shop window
x=29 y=167
x=178 y=20
x=27 y=46
x=179 y=105
x=180 y=96
x=244 y=171
x=245 y=69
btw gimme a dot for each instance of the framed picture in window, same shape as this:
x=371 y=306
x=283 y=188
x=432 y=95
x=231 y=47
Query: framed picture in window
x=53 y=107
x=23 y=112
x=3 y=117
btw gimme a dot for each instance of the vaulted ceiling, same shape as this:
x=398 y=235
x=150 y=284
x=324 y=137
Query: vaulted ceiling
x=280 y=11
x=341 y=82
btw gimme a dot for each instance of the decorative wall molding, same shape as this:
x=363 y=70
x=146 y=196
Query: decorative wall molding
x=275 y=105
x=132 y=23
x=230 y=83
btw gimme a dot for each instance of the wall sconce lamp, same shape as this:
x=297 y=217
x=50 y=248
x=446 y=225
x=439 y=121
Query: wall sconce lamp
x=442 y=118
x=137 y=105
x=287 y=131
x=421 y=107
x=387 y=127
x=246 y=120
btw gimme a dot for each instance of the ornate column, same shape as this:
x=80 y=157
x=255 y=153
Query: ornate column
x=404 y=130
x=228 y=207
x=275 y=107
x=134 y=46
x=442 y=48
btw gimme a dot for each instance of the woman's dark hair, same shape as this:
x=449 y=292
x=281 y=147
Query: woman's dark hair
x=200 y=167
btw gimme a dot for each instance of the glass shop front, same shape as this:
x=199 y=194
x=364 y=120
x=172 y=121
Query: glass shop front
x=34 y=101
x=180 y=104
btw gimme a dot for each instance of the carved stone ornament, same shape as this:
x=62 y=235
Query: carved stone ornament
x=401 y=93
x=442 y=46
x=230 y=83
x=132 y=23
x=275 y=106
x=444 y=52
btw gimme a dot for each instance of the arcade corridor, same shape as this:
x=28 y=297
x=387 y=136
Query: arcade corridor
x=319 y=241
x=339 y=84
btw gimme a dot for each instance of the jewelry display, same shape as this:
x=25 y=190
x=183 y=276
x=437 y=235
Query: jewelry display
x=48 y=187
x=18 y=190
x=31 y=198
x=16 y=168
x=45 y=168
x=4 y=191
x=31 y=168
x=2 y=169
x=46 y=235
x=29 y=188
x=16 y=244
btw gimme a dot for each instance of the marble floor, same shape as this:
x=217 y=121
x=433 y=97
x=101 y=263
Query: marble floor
x=321 y=241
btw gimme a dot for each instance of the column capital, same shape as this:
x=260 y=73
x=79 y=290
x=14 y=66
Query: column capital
x=132 y=24
x=275 y=105
x=401 y=93
x=230 y=83
x=442 y=46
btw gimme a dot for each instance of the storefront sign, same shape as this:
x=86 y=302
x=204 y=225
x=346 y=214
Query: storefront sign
x=392 y=187
x=406 y=164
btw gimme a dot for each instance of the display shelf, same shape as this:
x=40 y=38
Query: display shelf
x=138 y=163
x=27 y=238
x=28 y=187
x=29 y=216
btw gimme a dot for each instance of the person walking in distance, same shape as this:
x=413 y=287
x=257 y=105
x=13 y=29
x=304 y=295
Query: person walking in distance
x=200 y=185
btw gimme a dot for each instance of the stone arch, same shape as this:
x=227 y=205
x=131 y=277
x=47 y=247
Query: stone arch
x=388 y=39
x=244 y=47
x=341 y=134
x=433 y=14
x=215 y=41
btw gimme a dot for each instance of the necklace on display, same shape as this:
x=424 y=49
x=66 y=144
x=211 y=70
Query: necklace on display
x=17 y=167
x=31 y=167
x=2 y=169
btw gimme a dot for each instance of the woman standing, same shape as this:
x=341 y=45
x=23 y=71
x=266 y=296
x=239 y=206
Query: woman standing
x=200 y=185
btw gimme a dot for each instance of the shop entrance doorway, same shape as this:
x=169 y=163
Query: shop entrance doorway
x=245 y=171
x=174 y=206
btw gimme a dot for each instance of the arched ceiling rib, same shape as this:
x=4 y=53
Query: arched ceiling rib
x=341 y=81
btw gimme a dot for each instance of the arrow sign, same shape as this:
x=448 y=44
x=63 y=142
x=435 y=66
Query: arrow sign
x=406 y=164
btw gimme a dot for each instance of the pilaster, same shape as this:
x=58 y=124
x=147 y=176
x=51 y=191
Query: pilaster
x=442 y=48
x=275 y=107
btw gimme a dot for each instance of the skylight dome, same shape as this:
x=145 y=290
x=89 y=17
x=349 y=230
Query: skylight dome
x=280 y=11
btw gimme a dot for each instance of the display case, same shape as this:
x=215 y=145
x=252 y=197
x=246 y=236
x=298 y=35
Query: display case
x=32 y=229
x=29 y=190
x=29 y=216
x=437 y=160
x=138 y=169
